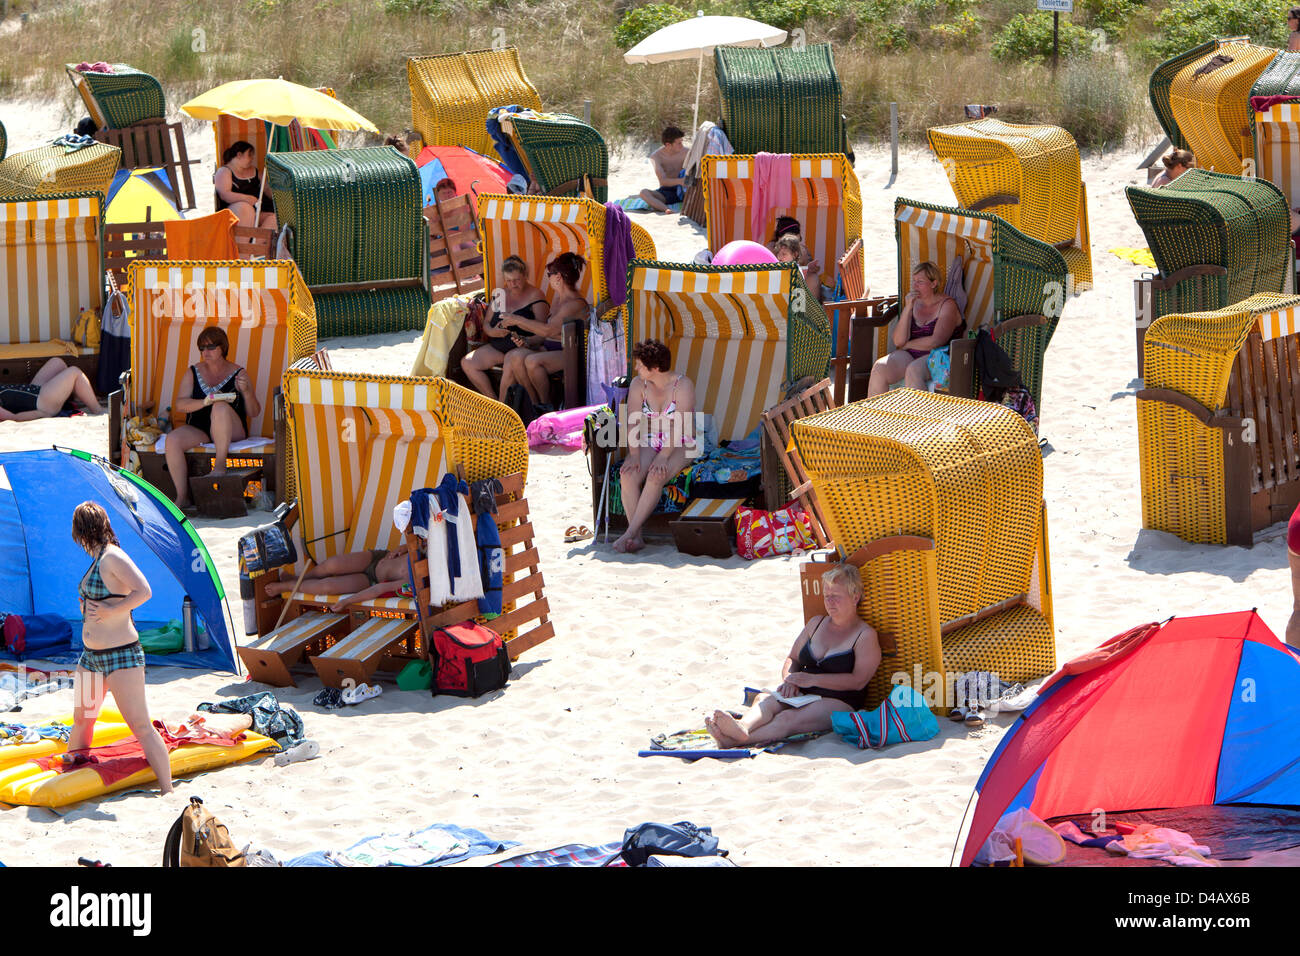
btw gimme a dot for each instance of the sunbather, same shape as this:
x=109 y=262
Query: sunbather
x=661 y=416
x=929 y=321
x=789 y=226
x=51 y=389
x=217 y=399
x=238 y=185
x=542 y=353
x=1293 y=24
x=834 y=658
x=790 y=249
x=667 y=161
x=360 y=576
x=515 y=297
x=1176 y=162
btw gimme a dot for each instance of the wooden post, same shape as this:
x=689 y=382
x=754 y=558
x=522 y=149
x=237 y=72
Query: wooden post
x=586 y=112
x=893 y=144
x=1056 y=39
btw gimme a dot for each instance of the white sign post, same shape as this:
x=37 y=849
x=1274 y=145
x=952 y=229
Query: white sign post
x=1057 y=7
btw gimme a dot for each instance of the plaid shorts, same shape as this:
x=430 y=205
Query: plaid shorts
x=113 y=659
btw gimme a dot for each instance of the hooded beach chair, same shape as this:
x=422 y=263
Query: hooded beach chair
x=1162 y=78
x=781 y=100
x=563 y=155
x=357 y=232
x=939 y=501
x=743 y=334
x=48 y=170
x=1015 y=288
x=1216 y=239
x=267 y=314
x=824 y=199
x=451 y=94
x=1028 y=175
x=1218 y=421
x=121 y=98
x=1275 y=124
x=537 y=229
x=4 y=141
x=51 y=269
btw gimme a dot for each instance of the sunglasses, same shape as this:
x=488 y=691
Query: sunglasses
x=209 y=348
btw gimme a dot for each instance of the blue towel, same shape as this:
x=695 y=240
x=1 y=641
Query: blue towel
x=448 y=494
x=421 y=511
x=471 y=843
x=491 y=563
x=505 y=149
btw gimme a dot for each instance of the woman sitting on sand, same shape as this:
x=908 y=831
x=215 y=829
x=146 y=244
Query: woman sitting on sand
x=833 y=658
x=361 y=576
x=660 y=435
x=929 y=321
x=1176 y=162
x=515 y=297
x=217 y=399
x=543 y=352
x=51 y=389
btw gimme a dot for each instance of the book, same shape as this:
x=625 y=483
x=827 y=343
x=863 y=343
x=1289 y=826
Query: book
x=803 y=700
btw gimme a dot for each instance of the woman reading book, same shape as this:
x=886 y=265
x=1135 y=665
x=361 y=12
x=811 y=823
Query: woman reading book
x=832 y=660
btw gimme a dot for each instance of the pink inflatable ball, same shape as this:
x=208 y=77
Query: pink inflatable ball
x=742 y=252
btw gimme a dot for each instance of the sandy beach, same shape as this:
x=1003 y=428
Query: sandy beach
x=647 y=643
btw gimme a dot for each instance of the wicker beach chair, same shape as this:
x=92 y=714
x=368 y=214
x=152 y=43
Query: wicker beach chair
x=451 y=94
x=825 y=200
x=51 y=169
x=781 y=100
x=41 y=238
x=358 y=234
x=1162 y=79
x=268 y=316
x=1028 y=175
x=1209 y=99
x=4 y=141
x=564 y=156
x=939 y=500
x=1216 y=239
x=1276 y=130
x=1218 y=421
x=121 y=98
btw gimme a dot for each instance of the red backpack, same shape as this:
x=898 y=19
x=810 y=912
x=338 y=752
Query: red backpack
x=468 y=660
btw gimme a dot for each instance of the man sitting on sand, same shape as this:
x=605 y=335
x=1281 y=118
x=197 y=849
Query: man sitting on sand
x=360 y=576
x=667 y=161
x=51 y=389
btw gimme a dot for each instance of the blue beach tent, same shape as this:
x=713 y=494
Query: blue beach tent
x=41 y=566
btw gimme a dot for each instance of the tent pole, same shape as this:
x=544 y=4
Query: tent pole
x=695 y=120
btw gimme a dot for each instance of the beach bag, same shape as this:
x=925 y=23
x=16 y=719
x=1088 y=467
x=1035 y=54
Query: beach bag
x=760 y=534
x=197 y=838
x=85 y=331
x=940 y=363
x=468 y=660
x=667 y=839
x=1022 y=403
x=606 y=357
x=903 y=717
x=268 y=546
x=114 y=344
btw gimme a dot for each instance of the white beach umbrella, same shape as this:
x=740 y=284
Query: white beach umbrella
x=695 y=39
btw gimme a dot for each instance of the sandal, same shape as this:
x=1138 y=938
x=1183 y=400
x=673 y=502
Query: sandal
x=974 y=717
x=957 y=714
x=579 y=533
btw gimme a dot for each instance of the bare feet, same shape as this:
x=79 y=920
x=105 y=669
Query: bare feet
x=729 y=728
x=627 y=545
x=218 y=469
x=719 y=737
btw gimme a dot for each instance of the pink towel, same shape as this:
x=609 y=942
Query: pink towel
x=772 y=190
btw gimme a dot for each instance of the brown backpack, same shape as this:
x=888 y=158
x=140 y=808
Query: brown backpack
x=197 y=838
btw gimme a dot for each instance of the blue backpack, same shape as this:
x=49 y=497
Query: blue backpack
x=903 y=716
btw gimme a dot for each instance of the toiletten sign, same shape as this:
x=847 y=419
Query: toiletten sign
x=1056 y=6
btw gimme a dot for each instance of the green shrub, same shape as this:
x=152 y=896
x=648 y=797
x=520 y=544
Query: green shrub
x=427 y=7
x=1096 y=101
x=966 y=30
x=639 y=23
x=1029 y=37
x=1185 y=23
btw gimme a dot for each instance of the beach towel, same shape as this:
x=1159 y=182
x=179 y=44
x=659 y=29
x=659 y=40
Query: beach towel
x=772 y=190
x=441 y=329
x=440 y=844
x=571 y=854
x=505 y=149
x=1262 y=104
x=902 y=718
x=1139 y=257
x=606 y=356
x=456 y=550
x=117 y=761
x=618 y=252
x=709 y=140
x=491 y=564
x=208 y=238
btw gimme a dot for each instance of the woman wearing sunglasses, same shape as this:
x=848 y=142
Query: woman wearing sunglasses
x=217 y=399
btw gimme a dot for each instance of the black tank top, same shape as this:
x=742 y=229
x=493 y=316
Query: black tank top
x=202 y=419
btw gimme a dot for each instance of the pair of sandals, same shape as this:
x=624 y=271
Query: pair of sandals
x=576 y=533
x=968 y=715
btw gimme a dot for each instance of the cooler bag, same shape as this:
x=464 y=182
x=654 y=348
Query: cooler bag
x=468 y=660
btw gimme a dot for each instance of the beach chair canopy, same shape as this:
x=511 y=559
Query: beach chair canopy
x=1162 y=78
x=4 y=141
x=120 y=98
x=559 y=151
x=51 y=265
x=363 y=443
x=539 y=228
x=451 y=94
x=1191 y=736
x=1277 y=126
x=781 y=100
x=967 y=476
x=738 y=332
x=47 y=170
x=263 y=307
x=359 y=236
x=825 y=199
x=1007 y=274
x=39 y=561
x=1028 y=175
x=1209 y=100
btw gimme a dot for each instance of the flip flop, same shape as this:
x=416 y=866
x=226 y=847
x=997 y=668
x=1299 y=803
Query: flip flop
x=361 y=692
x=974 y=717
x=578 y=533
x=306 y=750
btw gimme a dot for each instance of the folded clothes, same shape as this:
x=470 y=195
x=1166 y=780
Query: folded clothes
x=270 y=718
x=437 y=845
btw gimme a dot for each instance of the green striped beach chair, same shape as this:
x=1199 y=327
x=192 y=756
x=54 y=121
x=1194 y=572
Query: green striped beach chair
x=120 y=98
x=562 y=155
x=781 y=100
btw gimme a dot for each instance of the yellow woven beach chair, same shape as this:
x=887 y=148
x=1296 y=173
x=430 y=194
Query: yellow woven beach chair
x=267 y=314
x=451 y=94
x=47 y=170
x=946 y=496
x=1218 y=423
x=825 y=200
x=1028 y=175
x=1209 y=100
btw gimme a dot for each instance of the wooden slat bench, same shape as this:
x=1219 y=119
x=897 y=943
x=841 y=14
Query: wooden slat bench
x=357 y=656
x=269 y=658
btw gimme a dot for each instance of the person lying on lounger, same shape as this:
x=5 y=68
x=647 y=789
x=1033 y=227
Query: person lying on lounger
x=51 y=389
x=834 y=658
x=360 y=576
x=516 y=296
x=929 y=321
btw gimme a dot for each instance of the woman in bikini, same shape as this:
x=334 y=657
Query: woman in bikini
x=929 y=321
x=833 y=658
x=661 y=436
x=360 y=576
x=112 y=660
x=516 y=297
x=217 y=399
x=543 y=352
x=238 y=185
x=51 y=390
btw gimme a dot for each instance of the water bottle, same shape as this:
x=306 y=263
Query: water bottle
x=247 y=595
x=187 y=623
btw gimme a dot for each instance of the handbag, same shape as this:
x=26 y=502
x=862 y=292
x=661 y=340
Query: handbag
x=760 y=534
x=903 y=717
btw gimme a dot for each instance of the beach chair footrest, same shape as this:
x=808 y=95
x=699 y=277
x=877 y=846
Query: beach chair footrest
x=222 y=496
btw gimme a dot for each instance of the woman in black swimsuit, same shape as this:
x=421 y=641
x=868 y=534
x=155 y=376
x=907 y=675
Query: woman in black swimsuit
x=217 y=399
x=834 y=658
x=51 y=390
x=238 y=184
x=516 y=296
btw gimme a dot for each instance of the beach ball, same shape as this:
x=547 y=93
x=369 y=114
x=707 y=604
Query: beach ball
x=742 y=252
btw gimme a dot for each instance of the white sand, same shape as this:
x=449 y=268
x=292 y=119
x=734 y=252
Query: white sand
x=647 y=643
